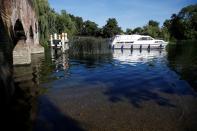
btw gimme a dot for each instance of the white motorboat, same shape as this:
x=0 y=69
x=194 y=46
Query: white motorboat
x=137 y=41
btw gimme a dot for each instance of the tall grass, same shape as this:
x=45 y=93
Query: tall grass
x=89 y=45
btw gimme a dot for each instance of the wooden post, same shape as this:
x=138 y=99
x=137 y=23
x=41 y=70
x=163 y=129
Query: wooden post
x=63 y=42
x=66 y=40
x=51 y=39
x=55 y=36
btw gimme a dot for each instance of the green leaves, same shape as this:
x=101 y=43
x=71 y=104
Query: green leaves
x=183 y=26
x=111 y=28
x=89 y=28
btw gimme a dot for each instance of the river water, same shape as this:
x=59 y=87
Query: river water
x=122 y=91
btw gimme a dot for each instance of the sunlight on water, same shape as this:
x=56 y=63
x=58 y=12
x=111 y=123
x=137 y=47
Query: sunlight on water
x=123 y=90
x=134 y=57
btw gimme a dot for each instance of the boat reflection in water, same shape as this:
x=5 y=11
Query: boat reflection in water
x=136 y=56
x=124 y=90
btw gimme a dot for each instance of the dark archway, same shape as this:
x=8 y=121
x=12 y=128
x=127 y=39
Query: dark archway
x=19 y=33
x=31 y=33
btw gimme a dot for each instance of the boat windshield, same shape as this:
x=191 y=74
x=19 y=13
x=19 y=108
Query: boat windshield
x=145 y=38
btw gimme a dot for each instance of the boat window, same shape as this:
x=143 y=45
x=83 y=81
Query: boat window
x=149 y=38
x=129 y=42
x=143 y=38
x=125 y=42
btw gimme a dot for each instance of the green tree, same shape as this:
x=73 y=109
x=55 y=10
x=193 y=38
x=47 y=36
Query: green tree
x=177 y=27
x=67 y=24
x=78 y=23
x=89 y=28
x=111 y=28
x=42 y=8
x=165 y=34
x=184 y=24
x=52 y=17
x=137 y=30
x=153 y=23
x=129 y=31
x=152 y=29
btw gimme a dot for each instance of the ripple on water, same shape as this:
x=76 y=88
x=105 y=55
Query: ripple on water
x=126 y=91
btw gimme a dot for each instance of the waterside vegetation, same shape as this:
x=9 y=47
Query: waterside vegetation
x=181 y=26
x=89 y=45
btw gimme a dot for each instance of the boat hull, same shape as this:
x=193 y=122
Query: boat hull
x=139 y=46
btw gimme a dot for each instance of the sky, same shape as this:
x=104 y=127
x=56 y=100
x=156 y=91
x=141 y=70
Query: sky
x=128 y=13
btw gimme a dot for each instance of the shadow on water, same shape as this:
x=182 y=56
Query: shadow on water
x=136 y=76
x=125 y=84
x=148 y=82
x=137 y=97
x=133 y=88
x=50 y=118
x=22 y=112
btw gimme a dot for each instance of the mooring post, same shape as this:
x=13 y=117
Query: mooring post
x=140 y=48
x=149 y=47
x=131 y=47
x=160 y=46
x=122 y=47
x=113 y=47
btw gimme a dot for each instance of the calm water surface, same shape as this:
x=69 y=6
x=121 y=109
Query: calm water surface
x=123 y=91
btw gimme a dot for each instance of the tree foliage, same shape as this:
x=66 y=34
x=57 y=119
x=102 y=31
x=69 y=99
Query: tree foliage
x=89 y=28
x=111 y=28
x=181 y=26
x=129 y=31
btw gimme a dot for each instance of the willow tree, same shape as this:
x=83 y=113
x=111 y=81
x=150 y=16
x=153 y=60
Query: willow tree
x=64 y=23
x=42 y=8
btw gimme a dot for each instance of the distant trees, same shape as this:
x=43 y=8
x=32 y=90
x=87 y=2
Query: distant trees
x=50 y=22
x=111 y=28
x=89 y=28
x=79 y=24
x=181 y=26
x=129 y=31
x=64 y=23
x=152 y=29
x=184 y=24
x=137 y=30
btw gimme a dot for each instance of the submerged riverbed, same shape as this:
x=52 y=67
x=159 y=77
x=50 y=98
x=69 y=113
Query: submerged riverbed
x=121 y=91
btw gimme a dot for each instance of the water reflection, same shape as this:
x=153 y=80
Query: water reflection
x=137 y=86
x=125 y=90
x=183 y=59
x=134 y=57
x=23 y=108
x=151 y=69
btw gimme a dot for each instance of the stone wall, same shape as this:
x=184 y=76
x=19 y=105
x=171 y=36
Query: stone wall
x=23 y=11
